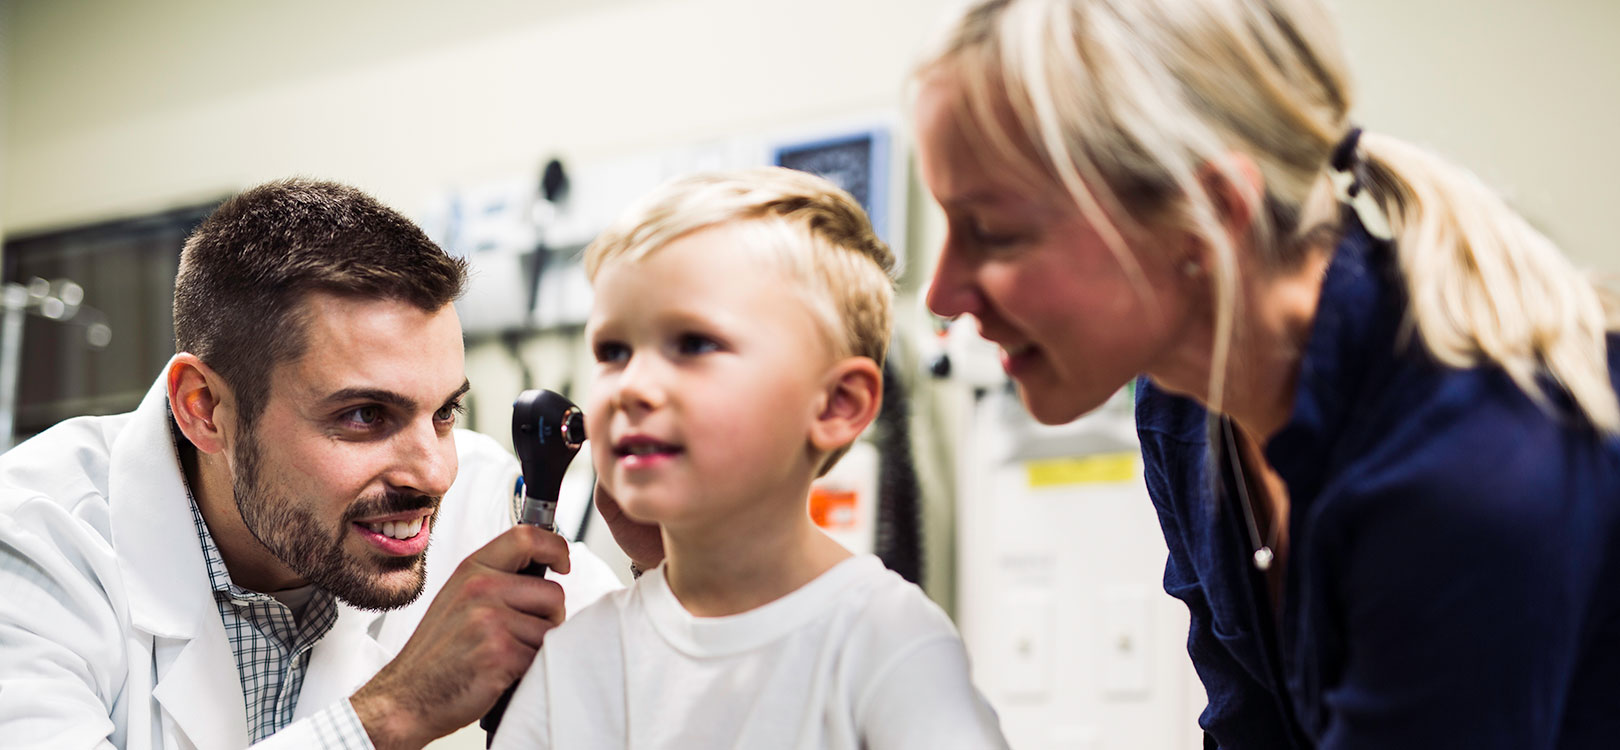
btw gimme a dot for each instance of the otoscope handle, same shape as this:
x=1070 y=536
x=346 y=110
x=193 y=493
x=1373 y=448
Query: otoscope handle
x=537 y=569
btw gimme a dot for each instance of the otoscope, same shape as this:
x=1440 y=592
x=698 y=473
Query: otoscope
x=547 y=430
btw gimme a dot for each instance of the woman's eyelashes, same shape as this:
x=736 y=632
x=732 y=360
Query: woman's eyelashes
x=993 y=235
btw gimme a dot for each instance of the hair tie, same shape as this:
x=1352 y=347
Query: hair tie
x=1344 y=154
x=1347 y=186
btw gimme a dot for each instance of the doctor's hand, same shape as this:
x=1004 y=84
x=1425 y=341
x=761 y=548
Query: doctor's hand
x=478 y=636
x=643 y=543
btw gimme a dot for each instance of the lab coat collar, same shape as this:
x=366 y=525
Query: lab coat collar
x=159 y=555
x=166 y=580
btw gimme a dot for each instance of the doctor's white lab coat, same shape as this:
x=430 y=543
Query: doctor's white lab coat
x=109 y=634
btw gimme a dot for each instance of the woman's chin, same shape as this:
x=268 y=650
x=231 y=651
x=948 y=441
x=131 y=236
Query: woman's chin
x=1052 y=406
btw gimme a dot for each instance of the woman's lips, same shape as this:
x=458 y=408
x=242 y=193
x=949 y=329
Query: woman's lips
x=1016 y=360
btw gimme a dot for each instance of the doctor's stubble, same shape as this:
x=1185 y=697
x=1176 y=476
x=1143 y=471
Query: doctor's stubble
x=293 y=534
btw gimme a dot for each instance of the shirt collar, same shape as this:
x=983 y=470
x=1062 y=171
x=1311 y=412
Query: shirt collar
x=1355 y=334
x=219 y=578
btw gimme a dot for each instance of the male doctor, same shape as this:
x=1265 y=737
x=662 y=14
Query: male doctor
x=237 y=559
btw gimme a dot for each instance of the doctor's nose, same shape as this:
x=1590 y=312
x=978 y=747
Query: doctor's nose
x=424 y=460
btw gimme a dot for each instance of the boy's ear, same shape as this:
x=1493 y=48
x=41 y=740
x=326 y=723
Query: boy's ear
x=853 y=395
x=197 y=398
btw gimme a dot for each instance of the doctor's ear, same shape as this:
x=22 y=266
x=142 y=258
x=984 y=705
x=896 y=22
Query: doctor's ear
x=198 y=399
x=853 y=394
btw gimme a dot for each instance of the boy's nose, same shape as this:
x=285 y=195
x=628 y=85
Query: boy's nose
x=640 y=385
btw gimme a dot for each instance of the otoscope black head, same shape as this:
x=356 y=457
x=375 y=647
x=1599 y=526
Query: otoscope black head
x=574 y=428
x=547 y=430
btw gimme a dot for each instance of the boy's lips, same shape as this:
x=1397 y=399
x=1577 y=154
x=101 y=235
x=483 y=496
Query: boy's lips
x=643 y=451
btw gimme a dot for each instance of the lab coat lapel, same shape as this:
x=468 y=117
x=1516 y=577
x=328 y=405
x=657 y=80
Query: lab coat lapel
x=342 y=661
x=201 y=690
x=166 y=581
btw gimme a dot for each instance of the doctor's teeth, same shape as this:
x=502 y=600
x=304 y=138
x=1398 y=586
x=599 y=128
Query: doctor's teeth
x=397 y=529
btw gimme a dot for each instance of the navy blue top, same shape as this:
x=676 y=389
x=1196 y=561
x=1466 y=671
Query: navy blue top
x=1454 y=562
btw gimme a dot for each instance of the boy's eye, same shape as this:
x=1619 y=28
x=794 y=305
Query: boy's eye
x=609 y=352
x=693 y=343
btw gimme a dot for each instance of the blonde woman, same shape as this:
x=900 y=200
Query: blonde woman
x=1378 y=414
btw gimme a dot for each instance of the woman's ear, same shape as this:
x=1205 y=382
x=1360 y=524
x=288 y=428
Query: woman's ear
x=1237 y=189
x=852 y=397
x=197 y=398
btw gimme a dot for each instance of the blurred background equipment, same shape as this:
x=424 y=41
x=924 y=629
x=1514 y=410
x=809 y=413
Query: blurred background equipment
x=66 y=292
x=61 y=300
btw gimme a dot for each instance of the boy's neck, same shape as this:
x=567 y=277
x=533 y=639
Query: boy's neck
x=717 y=572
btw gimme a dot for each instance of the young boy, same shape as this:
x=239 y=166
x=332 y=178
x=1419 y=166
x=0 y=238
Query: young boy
x=738 y=326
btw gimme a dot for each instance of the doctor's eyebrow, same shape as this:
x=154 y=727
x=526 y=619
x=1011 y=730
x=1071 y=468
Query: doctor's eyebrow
x=466 y=385
x=387 y=397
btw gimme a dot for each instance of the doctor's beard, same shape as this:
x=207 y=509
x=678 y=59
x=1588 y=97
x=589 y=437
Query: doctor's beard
x=294 y=536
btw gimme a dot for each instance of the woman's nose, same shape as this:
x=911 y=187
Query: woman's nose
x=950 y=292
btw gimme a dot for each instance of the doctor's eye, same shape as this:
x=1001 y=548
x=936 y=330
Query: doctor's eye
x=449 y=412
x=364 y=416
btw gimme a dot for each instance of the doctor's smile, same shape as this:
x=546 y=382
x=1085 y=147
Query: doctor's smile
x=398 y=533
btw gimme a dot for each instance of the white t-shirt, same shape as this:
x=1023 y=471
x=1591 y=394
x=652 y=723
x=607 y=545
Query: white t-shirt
x=856 y=659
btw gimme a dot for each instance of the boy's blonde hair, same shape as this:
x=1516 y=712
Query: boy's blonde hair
x=817 y=234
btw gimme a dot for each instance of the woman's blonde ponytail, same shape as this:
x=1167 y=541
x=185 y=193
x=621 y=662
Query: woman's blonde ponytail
x=1486 y=287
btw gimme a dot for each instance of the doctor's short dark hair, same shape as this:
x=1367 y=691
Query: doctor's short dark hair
x=244 y=274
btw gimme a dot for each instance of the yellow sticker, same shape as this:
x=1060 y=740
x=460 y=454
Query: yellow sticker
x=1099 y=469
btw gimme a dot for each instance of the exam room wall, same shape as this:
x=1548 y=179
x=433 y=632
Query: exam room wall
x=115 y=109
